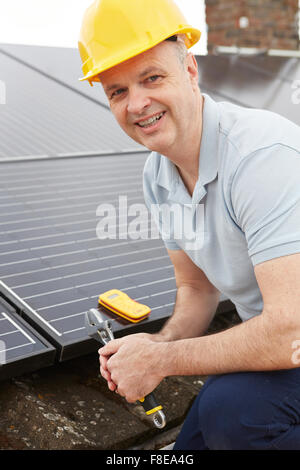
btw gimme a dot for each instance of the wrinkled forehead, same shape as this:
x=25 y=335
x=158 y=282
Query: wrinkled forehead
x=160 y=58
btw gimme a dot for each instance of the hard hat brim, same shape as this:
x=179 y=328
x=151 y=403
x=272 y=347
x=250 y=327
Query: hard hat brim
x=192 y=37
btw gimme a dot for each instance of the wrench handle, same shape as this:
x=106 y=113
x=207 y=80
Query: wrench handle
x=151 y=407
x=150 y=404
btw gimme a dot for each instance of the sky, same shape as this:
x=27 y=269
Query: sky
x=57 y=22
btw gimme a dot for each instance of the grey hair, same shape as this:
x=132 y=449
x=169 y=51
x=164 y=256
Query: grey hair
x=181 y=49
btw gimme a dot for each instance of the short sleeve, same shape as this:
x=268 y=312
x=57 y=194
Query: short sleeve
x=265 y=196
x=153 y=197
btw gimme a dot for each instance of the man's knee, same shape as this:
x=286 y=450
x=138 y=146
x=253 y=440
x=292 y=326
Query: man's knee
x=232 y=415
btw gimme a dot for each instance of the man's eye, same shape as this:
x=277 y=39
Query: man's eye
x=117 y=92
x=153 y=78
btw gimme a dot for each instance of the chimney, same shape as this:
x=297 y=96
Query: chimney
x=263 y=24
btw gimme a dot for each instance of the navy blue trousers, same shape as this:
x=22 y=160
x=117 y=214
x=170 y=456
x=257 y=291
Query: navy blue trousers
x=245 y=411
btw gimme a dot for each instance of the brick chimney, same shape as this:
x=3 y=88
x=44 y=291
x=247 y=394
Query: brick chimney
x=271 y=24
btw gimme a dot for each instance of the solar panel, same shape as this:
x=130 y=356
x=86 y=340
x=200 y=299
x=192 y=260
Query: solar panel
x=48 y=119
x=257 y=82
x=21 y=348
x=50 y=255
x=57 y=63
x=51 y=258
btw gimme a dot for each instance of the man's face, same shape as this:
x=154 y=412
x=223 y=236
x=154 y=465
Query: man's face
x=152 y=96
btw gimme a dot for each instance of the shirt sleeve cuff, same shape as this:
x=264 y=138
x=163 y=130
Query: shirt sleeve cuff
x=276 y=252
x=170 y=245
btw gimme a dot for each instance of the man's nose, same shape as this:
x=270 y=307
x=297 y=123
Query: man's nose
x=138 y=101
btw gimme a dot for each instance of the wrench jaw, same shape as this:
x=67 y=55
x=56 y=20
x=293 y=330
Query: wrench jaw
x=91 y=324
x=106 y=333
x=98 y=328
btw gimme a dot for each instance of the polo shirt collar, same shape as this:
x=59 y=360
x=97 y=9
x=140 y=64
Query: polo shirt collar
x=168 y=176
x=208 y=167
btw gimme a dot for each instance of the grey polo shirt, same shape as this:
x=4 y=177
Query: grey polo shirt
x=245 y=208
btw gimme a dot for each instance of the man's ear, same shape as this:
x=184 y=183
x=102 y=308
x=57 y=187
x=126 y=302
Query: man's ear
x=192 y=69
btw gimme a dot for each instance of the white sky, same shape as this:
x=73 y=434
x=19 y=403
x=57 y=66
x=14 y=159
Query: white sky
x=57 y=22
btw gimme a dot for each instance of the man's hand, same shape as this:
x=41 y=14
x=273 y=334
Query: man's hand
x=131 y=365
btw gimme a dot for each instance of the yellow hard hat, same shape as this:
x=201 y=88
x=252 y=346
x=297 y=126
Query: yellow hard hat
x=113 y=31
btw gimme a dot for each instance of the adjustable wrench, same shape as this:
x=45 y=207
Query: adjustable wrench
x=101 y=330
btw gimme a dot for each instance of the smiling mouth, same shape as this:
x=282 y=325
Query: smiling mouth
x=149 y=122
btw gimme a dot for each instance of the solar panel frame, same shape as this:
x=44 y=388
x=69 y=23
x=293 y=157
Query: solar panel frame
x=21 y=357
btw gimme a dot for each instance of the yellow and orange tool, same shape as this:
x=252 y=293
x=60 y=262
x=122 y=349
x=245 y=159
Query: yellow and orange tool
x=121 y=304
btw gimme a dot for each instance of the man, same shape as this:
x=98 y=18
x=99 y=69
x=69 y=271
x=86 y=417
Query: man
x=243 y=166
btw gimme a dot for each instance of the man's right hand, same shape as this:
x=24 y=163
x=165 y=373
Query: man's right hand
x=157 y=337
